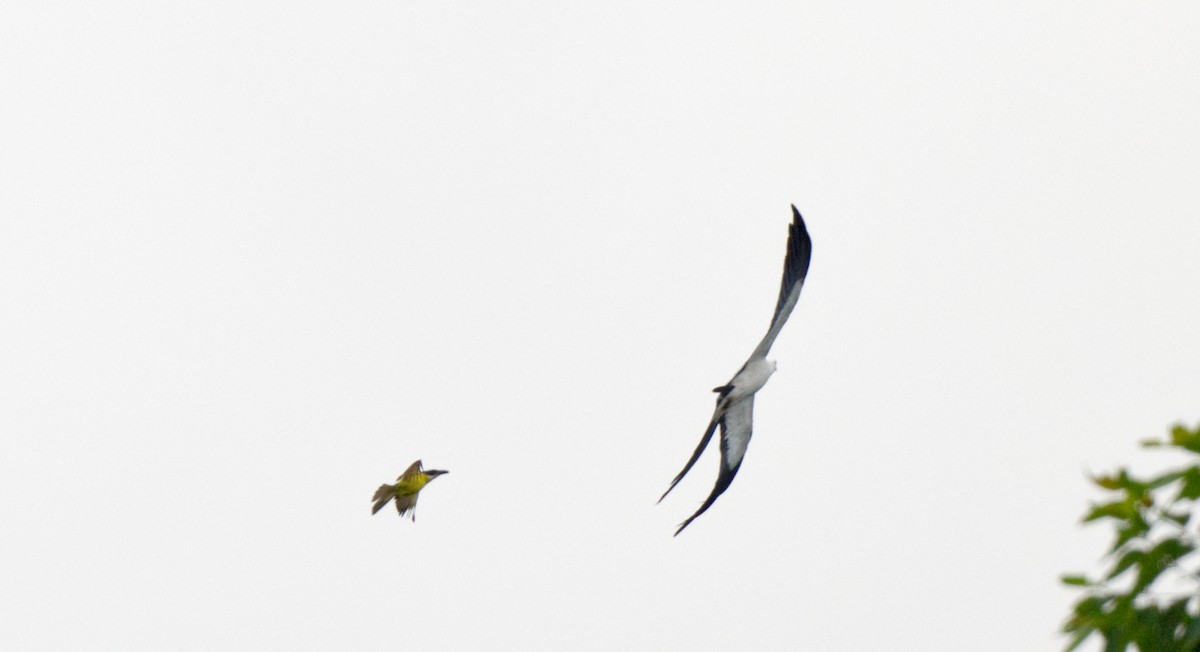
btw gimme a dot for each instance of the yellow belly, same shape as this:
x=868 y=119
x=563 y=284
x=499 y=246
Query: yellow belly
x=411 y=485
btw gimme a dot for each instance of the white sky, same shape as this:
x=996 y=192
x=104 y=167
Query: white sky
x=255 y=258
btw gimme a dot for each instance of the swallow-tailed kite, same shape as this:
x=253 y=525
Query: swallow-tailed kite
x=735 y=399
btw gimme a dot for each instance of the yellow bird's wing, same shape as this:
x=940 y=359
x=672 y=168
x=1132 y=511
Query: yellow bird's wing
x=411 y=472
x=405 y=504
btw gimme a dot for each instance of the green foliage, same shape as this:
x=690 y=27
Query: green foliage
x=1152 y=543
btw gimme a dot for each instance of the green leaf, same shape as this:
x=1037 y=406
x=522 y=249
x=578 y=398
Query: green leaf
x=1127 y=614
x=1165 y=479
x=1081 y=636
x=1121 y=509
x=1181 y=518
x=1176 y=612
x=1153 y=562
x=1191 y=635
x=1171 y=550
x=1180 y=434
x=1130 y=530
x=1075 y=580
x=1184 y=438
x=1191 y=484
x=1089 y=607
x=1125 y=562
x=1132 y=486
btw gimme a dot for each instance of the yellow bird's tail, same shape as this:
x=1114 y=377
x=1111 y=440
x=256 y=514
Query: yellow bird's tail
x=383 y=495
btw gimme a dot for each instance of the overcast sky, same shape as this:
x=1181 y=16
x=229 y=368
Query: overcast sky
x=257 y=257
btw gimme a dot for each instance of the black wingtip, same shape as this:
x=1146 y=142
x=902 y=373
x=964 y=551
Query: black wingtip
x=708 y=433
x=703 y=508
x=795 y=262
x=724 y=479
x=798 y=221
x=799 y=248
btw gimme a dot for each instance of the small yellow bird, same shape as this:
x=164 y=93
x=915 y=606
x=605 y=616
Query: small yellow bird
x=405 y=491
